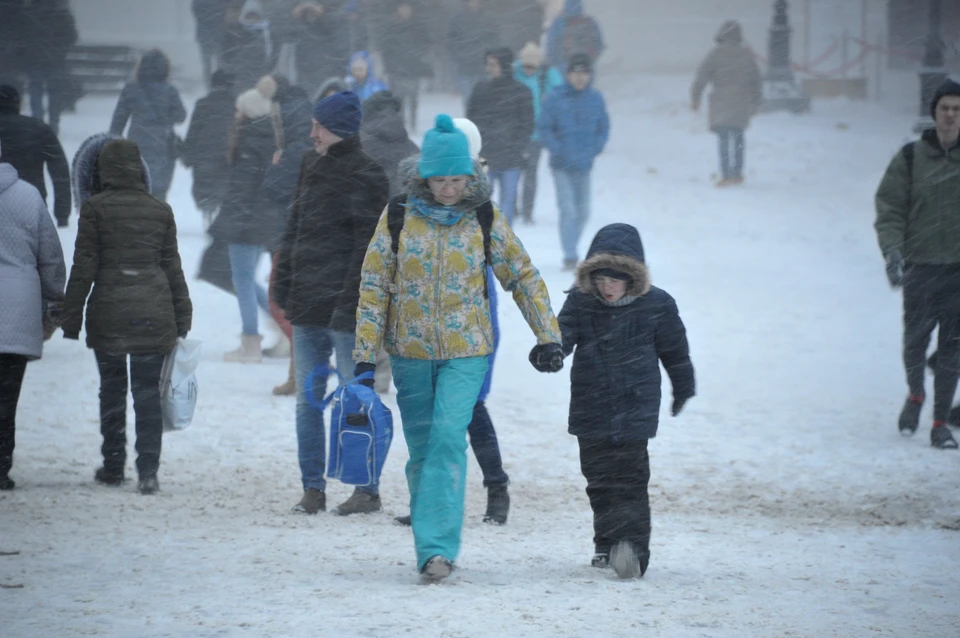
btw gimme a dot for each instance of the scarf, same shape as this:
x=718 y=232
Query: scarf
x=443 y=215
x=626 y=300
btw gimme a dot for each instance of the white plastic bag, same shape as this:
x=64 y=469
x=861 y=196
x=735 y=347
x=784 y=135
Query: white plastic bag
x=178 y=385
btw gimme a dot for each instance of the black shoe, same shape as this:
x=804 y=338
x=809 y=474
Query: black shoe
x=498 y=505
x=7 y=483
x=404 y=520
x=600 y=560
x=910 y=416
x=942 y=439
x=105 y=476
x=148 y=485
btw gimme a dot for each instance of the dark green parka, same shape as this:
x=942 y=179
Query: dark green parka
x=127 y=250
x=918 y=204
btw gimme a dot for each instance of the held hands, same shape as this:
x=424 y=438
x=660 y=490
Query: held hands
x=547 y=357
x=363 y=368
x=894 y=269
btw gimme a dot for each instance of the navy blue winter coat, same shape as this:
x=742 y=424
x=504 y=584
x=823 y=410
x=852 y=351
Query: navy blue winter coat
x=574 y=127
x=615 y=380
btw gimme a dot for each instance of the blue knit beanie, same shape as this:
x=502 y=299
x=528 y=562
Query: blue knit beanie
x=446 y=151
x=340 y=114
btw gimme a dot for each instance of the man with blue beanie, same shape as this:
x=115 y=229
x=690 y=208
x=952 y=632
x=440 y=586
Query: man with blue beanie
x=337 y=205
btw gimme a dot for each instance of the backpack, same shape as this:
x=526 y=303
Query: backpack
x=361 y=429
x=397 y=213
x=580 y=36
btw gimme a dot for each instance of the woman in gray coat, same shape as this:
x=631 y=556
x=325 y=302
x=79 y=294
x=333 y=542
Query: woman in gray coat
x=32 y=276
x=736 y=97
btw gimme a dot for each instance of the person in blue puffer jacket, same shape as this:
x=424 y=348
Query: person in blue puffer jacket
x=363 y=78
x=574 y=127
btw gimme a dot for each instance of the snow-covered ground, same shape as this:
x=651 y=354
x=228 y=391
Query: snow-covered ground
x=784 y=501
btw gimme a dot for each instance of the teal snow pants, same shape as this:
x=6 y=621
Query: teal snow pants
x=436 y=400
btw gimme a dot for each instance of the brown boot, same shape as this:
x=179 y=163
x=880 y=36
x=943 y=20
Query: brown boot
x=313 y=501
x=289 y=387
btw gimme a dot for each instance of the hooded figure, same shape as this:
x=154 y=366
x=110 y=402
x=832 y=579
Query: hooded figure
x=330 y=86
x=573 y=33
x=384 y=137
x=86 y=175
x=207 y=141
x=153 y=107
x=362 y=78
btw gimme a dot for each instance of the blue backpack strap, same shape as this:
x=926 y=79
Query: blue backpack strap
x=308 y=392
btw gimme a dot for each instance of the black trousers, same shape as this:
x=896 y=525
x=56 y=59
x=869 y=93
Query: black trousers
x=931 y=298
x=534 y=150
x=486 y=447
x=617 y=478
x=12 y=369
x=144 y=382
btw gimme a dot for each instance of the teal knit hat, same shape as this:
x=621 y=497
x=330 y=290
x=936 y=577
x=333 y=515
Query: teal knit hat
x=445 y=151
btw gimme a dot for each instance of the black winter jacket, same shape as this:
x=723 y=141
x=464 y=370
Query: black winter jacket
x=384 y=136
x=207 y=142
x=615 y=380
x=503 y=111
x=28 y=144
x=338 y=203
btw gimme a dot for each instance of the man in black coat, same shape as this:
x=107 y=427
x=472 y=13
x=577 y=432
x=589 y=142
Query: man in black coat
x=51 y=33
x=340 y=197
x=502 y=108
x=28 y=145
x=384 y=136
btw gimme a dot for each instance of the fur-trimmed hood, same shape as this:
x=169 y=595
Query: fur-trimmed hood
x=84 y=170
x=479 y=189
x=616 y=247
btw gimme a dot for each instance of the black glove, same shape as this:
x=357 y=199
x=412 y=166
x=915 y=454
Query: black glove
x=678 y=403
x=547 y=357
x=363 y=368
x=895 y=269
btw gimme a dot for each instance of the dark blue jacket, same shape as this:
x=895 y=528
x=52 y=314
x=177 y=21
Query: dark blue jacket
x=574 y=127
x=615 y=380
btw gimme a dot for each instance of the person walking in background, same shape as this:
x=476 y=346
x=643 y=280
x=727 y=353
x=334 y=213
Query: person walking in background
x=574 y=128
x=620 y=328
x=340 y=194
x=248 y=50
x=52 y=33
x=473 y=32
x=127 y=251
x=918 y=228
x=247 y=222
x=502 y=109
x=363 y=79
x=153 y=107
x=32 y=275
x=572 y=34
x=541 y=79
x=736 y=97
x=437 y=327
x=28 y=146
x=523 y=22
x=210 y=17
x=208 y=142
x=406 y=45
x=384 y=137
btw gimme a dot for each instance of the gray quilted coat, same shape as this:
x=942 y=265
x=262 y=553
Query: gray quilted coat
x=31 y=265
x=737 y=92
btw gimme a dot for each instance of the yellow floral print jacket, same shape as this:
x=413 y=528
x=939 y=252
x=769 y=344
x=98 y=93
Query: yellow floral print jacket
x=428 y=302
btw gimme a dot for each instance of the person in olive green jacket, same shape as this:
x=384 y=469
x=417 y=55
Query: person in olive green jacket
x=918 y=227
x=127 y=251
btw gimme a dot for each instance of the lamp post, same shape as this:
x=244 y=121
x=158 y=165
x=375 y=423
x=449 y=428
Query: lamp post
x=932 y=70
x=780 y=90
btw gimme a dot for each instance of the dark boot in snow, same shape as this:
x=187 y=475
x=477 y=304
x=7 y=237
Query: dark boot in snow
x=910 y=415
x=628 y=561
x=941 y=438
x=600 y=560
x=404 y=520
x=313 y=501
x=148 y=485
x=360 y=502
x=7 y=483
x=498 y=505
x=108 y=477
x=437 y=569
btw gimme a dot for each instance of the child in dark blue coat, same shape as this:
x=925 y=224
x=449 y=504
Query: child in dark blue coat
x=620 y=328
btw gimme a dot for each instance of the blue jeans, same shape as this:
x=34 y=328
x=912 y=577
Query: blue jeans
x=731 y=152
x=250 y=294
x=436 y=400
x=312 y=346
x=483 y=440
x=573 y=200
x=509 y=181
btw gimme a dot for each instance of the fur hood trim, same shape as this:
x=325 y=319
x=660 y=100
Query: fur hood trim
x=640 y=281
x=479 y=189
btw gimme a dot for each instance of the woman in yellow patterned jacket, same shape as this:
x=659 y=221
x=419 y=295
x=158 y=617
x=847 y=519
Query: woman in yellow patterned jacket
x=426 y=305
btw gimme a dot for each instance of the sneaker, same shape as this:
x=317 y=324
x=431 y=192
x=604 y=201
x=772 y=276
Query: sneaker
x=910 y=415
x=248 y=352
x=7 y=483
x=313 y=501
x=600 y=560
x=941 y=438
x=148 y=485
x=107 y=477
x=403 y=520
x=498 y=505
x=437 y=569
x=360 y=502
x=625 y=560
